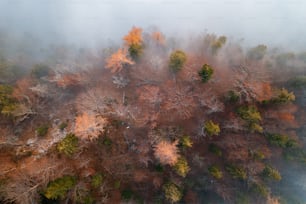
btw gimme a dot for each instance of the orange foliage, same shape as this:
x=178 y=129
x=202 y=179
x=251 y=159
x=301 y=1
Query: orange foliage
x=117 y=60
x=88 y=126
x=134 y=37
x=158 y=37
x=69 y=80
x=166 y=152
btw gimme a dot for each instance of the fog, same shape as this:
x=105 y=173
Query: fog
x=91 y=22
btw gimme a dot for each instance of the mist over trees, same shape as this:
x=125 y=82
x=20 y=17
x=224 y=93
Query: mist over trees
x=153 y=118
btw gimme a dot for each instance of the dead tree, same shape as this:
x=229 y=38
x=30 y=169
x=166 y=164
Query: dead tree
x=247 y=81
x=179 y=100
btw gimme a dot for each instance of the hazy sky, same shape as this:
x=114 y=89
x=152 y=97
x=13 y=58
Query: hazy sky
x=278 y=22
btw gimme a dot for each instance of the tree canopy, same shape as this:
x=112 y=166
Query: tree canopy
x=177 y=60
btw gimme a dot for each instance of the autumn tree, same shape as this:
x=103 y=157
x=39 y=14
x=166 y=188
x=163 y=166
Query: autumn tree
x=181 y=167
x=58 y=188
x=213 y=43
x=252 y=116
x=134 y=42
x=211 y=128
x=280 y=140
x=172 y=192
x=271 y=173
x=185 y=142
x=236 y=172
x=68 y=145
x=283 y=97
x=166 y=152
x=177 y=60
x=215 y=172
x=118 y=60
x=206 y=72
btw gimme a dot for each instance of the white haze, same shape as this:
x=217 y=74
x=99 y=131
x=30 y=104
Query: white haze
x=91 y=22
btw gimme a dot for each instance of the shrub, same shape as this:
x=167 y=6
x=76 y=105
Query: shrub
x=172 y=192
x=42 y=130
x=206 y=72
x=68 y=145
x=96 y=180
x=271 y=173
x=177 y=60
x=215 y=172
x=213 y=148
x=236 y=172
x=58 y=188
x=181 y=167
x=211 y=128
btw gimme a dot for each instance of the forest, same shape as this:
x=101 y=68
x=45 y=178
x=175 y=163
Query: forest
x=152 y=119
